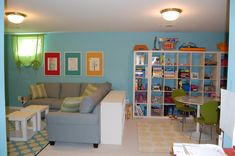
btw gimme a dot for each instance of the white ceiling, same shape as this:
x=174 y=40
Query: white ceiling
x=117 y=15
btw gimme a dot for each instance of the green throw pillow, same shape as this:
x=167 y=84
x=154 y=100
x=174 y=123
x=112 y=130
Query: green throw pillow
x=71 y=104
x=89 y=90
x=38 y=91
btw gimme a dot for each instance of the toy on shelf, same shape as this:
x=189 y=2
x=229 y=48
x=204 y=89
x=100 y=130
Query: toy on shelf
x=162 y=59
x=194 y=88
x=156 y=60
x=141 y=98
x=169 y=63
x=157 y=87
x=167 y=88
x=184 y=73
x=139 y=85
x=185 y=85
x=223 y=46
x=156 y=110
x=210 y=61
x=180 y=84
x=140 y=59
x=190 y=46
x=209 y=88
x=224 y=62
x=168 y=43
x=156 y=99
x=208 y=76
x=138 y=111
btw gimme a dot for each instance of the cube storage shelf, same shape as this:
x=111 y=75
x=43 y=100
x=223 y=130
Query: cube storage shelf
x=157 y=73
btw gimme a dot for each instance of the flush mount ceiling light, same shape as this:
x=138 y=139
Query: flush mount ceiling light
x=15 y=17
x=171 y=14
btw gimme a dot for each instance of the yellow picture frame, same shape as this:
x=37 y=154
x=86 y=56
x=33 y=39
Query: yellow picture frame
x=94 y=63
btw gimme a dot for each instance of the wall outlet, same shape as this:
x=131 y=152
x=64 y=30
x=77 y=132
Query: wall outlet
x=19 y=98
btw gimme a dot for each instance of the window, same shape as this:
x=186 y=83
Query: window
x=28 y=50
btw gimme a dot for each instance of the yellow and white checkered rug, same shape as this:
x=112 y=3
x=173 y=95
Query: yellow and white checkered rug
x=27 y=148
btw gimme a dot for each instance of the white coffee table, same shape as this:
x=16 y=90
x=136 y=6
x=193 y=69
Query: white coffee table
x=22 y=131
x=38 y=109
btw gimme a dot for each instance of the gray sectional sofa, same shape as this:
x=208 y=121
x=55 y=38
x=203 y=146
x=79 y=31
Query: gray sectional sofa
x=81 y=127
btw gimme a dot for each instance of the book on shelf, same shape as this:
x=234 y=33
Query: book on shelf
x=140 y=72
x=157 y=72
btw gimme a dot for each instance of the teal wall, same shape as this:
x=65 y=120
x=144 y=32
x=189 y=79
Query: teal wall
x=231 y=69
x=117 y=48
x=3 y=144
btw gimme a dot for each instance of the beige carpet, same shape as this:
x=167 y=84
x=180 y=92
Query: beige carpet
x=159 y=136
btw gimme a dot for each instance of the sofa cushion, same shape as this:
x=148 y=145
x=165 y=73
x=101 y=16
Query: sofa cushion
x=53 y=103
x=101 y=93
x=38 y=91
x=52 y=89
x=65 y=118
x=90 y=89
x=69 y=90
x=87 y=105
x=89 y=102
x=71 y=104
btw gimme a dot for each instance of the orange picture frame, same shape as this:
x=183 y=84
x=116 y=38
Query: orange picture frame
x=94 y=63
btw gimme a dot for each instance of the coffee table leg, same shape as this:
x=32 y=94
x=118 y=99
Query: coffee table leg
x=34 y=119
x=38 y=121
x=17 y=125
x=47 y=110
x=24 y=130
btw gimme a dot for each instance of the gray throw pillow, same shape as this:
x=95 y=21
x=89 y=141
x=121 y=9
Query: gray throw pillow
x=87 y=105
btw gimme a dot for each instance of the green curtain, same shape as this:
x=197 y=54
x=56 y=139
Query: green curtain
x=28 y=50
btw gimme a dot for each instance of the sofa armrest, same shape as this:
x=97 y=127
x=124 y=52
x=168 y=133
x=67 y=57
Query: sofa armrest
x=74 y=118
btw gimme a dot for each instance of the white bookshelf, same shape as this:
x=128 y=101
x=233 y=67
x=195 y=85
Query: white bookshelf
x=157 y=73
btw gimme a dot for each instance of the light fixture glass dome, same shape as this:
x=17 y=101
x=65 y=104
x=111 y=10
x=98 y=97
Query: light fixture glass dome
x=171 y=14
x=15 y=17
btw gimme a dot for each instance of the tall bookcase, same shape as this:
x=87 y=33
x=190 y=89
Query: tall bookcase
x=157 y=73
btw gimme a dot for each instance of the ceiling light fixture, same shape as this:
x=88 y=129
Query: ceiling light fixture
x=15 y=17
x=171 y=14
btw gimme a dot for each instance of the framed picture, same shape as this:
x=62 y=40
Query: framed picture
x=195 y=75
x=52 y=64
x=94 y=63
x=72 y=63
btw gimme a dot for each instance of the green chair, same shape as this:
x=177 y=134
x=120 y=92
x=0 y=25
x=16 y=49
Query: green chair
x=181 y=106
x=208 y=116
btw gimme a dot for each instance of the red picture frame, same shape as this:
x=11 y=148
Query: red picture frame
x=52 y=64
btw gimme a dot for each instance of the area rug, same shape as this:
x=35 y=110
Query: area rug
x=159 y=136
x=31 y=147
